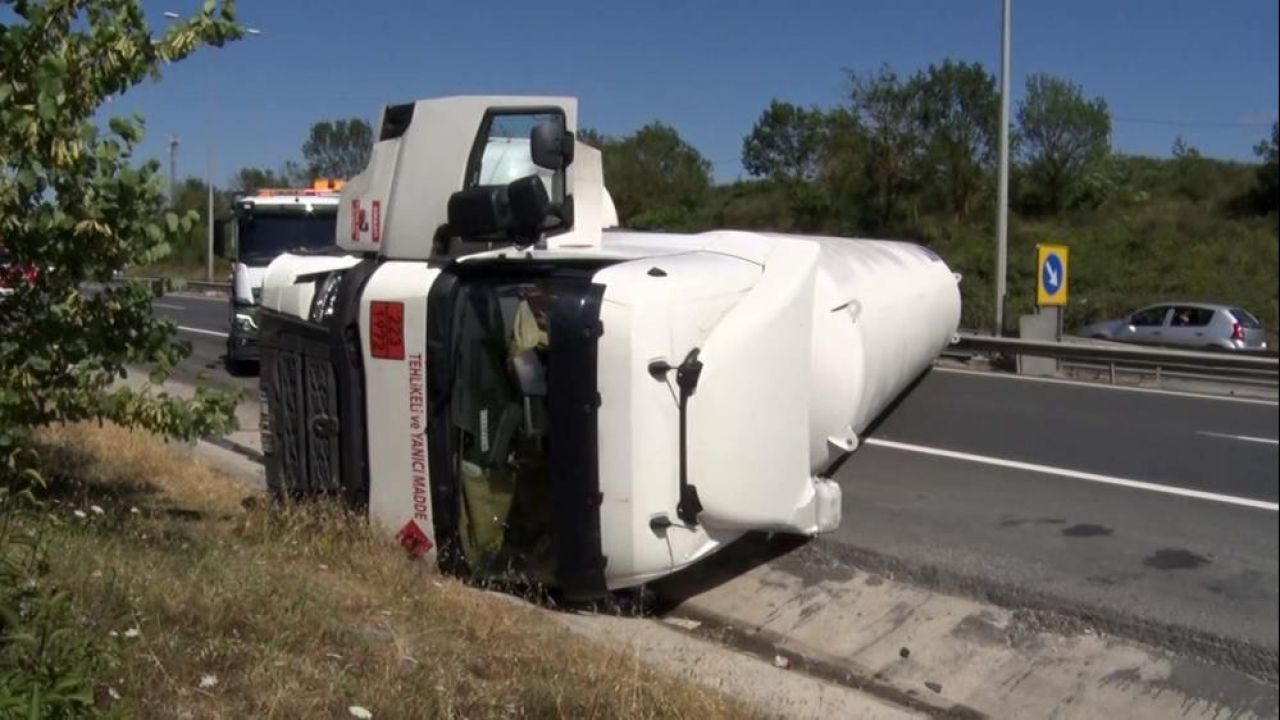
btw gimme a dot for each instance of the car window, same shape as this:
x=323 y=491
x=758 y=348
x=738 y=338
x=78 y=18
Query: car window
x=1244 y=318
x=1191 y=317
x=1149 y=317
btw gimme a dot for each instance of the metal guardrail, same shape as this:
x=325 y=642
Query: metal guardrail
x=203 y=285
x=1253 y=366
x=222 y=287
x=1225 y=360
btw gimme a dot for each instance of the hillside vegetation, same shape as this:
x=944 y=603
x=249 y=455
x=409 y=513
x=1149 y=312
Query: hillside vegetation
x=915 y=158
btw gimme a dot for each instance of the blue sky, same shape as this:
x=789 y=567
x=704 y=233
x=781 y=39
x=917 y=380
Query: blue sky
x=707 y=67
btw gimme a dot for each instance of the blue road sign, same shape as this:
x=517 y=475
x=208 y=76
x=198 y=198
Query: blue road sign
x=1052 y=273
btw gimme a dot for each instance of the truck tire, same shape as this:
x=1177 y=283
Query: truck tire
x=234 y=365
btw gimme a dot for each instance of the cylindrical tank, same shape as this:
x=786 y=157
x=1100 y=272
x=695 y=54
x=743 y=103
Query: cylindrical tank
x=883 y=310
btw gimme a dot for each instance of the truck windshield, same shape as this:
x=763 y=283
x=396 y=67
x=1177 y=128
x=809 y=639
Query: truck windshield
x=500 y=420
x=263 y=236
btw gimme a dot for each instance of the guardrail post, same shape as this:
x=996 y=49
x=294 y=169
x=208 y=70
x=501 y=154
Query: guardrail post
x=1112 y=367
x=1159 y=382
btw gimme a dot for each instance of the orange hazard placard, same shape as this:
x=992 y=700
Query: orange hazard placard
x=386 y=329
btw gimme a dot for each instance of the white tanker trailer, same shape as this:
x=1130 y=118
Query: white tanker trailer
x=522 y=392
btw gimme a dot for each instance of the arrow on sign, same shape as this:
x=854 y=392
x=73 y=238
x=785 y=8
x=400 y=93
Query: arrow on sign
x=1053 y=274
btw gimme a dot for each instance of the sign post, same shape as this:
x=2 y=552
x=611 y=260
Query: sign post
x=1052 y=269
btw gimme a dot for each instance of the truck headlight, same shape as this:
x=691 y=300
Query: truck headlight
x=246 y=322
x=322 y=305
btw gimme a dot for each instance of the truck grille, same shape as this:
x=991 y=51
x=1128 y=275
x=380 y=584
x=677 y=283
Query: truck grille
x=300 y=415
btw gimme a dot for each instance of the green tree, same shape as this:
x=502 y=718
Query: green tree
x=844 y=176
x=74 y=208
x=592 y=137
x=337 y=149
x=1267 y=189
x=188 y=247
x=250 y=179
x=787 y=143
x=1190 y=171
x=1062 y=136
x=888 y=109
x=957 y=110
x=655 y=177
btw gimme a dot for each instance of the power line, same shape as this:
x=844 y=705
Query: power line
x=1187 y=123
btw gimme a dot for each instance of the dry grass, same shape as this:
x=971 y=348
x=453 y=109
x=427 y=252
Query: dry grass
x=301 y=612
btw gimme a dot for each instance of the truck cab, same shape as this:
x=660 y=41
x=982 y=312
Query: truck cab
x=515 y=388
x=263 y=226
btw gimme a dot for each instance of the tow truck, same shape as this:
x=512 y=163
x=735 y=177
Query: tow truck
x=520 y=391
x=262 y=226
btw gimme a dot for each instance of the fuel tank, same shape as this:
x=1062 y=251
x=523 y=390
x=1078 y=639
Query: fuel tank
x=795 y=345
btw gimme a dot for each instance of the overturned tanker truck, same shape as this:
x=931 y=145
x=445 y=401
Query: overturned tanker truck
x=520 y=391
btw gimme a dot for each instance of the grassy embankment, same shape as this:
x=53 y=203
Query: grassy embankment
x=195 y=598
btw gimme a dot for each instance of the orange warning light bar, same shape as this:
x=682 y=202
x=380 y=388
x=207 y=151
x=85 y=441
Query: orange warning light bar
x=316 y=190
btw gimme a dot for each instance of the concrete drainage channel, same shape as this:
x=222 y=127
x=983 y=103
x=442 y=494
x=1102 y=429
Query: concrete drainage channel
x=801 y=629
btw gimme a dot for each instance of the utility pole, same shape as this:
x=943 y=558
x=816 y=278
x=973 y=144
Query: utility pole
x=173 y=166
x=208 y=270
x=1002 y=212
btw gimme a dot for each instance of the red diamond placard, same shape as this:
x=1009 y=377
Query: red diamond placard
x=413 y=540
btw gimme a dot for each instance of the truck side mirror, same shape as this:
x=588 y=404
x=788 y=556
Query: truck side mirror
x=517 y=210
x=220 y=238
x=551 y=146
x=529 y=207
x=479 y=211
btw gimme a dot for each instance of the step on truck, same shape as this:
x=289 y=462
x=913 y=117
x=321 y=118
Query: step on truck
x=520 y=391
x=262 y=226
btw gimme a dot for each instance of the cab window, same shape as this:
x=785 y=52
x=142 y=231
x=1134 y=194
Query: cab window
x=502 y=152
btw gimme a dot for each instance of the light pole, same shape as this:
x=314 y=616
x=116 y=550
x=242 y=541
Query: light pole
x=1002 y=212
x=208 y=267
x=173 y=166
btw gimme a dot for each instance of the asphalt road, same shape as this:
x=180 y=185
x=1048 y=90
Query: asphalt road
x=203 y=322
x=1180 y=529
x=1148 y=512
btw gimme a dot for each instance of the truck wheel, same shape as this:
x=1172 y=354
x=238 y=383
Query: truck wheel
x=235 y=366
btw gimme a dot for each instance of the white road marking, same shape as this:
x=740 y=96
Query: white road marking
x=196 y=296
x=1244 y=438
x=1078 y=475
x=166 y=306
x=1104 y=386
x=202 y=331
